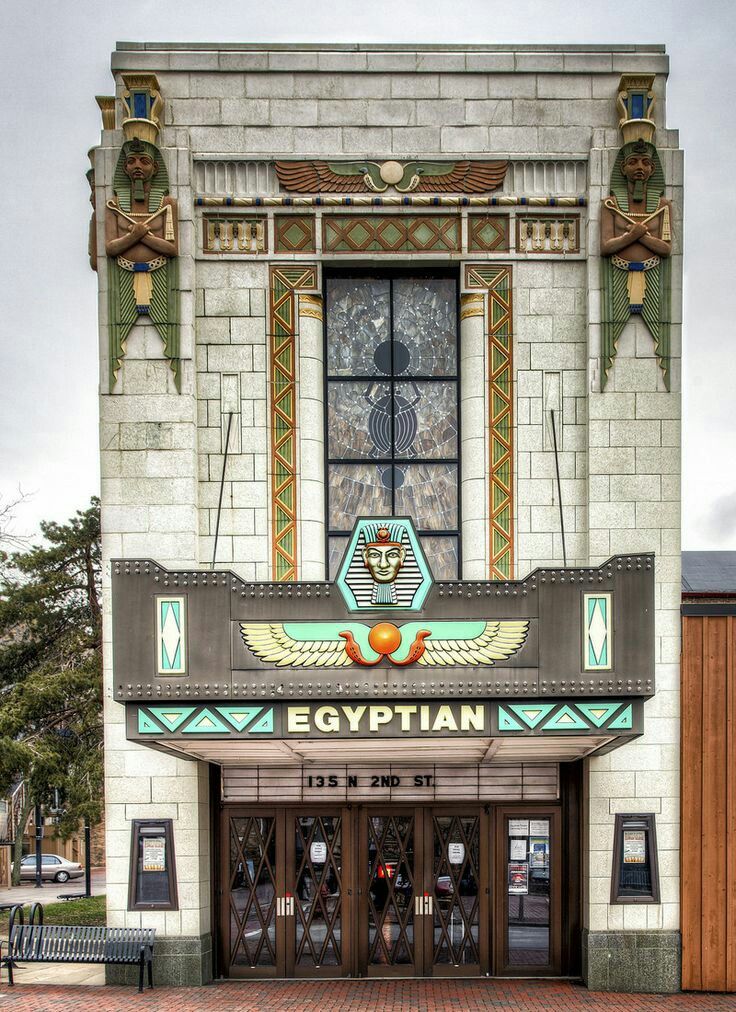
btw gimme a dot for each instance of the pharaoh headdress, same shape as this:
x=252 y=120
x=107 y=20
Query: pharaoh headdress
x=159 y=183
x=620 y=184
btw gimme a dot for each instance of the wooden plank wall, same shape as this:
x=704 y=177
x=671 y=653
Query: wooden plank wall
x=708 y=787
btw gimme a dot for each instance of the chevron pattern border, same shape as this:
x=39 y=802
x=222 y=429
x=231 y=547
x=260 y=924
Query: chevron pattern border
x=553 y=718
x=496 y=280
x=285 y=281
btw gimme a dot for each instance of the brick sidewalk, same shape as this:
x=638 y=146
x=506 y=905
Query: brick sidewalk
x=357 y=995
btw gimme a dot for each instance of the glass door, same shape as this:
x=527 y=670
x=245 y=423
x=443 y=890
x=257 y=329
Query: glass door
x=251 y=925
x=457 y=887
x=317 y=870
x=391 y=900
x=528 y=848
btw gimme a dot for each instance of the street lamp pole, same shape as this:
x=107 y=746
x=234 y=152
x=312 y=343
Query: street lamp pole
x=87 y=860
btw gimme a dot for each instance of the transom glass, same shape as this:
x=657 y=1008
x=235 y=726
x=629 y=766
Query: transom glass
x=392 y=410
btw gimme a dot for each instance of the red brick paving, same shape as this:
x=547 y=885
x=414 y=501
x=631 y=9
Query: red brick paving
x=356 y=995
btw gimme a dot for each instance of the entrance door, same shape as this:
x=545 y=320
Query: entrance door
x=424 y=892
x=392 y=899
x=318 y=931
x=286 y=910
x=251 y=908
x=396 y=891
x=528 y=906
x=457 y=888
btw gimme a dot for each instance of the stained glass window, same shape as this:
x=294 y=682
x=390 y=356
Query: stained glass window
x=392 y=410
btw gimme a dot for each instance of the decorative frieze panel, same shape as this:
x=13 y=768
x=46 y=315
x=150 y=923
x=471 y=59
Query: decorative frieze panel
x=396 y=233
x=537 y=178
x=294 y=233
x=548 y=234
x=389 y=200
x=488 y=233
x=234 y=235
x=343 y=233
x=524 y=180
x=220 y=176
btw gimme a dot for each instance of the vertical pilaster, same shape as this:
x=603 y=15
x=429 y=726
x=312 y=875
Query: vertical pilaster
x=311 y=446
x=285 y=283
x=495 y=282
x=634 y=506
x=473 y=430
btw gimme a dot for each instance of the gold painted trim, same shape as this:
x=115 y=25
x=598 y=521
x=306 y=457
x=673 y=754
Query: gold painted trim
x=107 y=108
x=311 y=305
x=494 y=281
x=390 y=200
x=472 y=304
x=286 y=282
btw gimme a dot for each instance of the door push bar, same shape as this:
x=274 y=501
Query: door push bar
x=285 y=906
x=423 y=905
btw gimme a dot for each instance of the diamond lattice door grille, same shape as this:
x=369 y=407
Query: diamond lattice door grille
x=252 y=891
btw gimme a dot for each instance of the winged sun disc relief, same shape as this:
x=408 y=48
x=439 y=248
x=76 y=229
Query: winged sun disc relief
x=339 y=644
x=376 y=177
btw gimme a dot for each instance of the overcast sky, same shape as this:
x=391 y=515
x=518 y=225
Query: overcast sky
x=55 y=58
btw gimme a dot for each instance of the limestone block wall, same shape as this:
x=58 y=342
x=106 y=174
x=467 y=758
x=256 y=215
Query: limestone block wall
x=634 y=505
x=231 y=377
x=551 y=357
x=375 y=101
x=150 y=508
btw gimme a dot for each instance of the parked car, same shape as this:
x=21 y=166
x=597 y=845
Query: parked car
x=52 y=867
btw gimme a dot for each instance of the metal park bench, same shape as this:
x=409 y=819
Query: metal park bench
x=37 y=942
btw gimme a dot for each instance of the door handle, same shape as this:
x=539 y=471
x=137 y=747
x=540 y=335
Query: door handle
x=423 y=905
x=284 y=906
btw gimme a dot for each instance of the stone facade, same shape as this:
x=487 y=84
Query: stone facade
x=229 y=113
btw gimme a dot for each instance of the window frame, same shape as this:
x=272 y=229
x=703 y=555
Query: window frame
x=648 y=824
x=390 y=274
x=137 y=833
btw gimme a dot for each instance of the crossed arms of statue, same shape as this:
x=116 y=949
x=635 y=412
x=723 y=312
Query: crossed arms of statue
x=142 y=239
x=622 y=233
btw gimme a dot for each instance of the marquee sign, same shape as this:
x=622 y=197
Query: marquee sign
x=383 y=629
x=360 y=720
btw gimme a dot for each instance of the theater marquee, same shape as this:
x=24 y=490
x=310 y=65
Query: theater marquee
x=384 y=651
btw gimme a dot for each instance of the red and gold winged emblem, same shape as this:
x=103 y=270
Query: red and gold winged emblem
x=376 y=177
x=339 y=644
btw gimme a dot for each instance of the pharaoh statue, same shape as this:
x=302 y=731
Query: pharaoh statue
x=141 y=241
x=92 y=240
x=636 y=243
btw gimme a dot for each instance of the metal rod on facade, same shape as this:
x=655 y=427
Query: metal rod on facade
x=39 y=841
x=222 y=487
x=559 y=489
